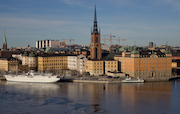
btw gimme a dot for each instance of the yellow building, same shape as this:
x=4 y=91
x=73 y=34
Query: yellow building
x=7 y=64
x=111 y=65
x=174 y=64
x=3 y=64
x=52 y=62
x=147 y=63
x=95 y=67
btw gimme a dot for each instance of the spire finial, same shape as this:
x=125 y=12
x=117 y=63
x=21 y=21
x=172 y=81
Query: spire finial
x=95 y=29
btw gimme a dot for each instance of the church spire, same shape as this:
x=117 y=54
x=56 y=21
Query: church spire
x=4 y=40
x=95 y=28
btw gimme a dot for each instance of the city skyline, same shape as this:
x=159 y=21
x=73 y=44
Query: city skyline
x=138 y=21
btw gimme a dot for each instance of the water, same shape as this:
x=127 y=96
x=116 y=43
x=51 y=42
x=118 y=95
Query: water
x=88 y=98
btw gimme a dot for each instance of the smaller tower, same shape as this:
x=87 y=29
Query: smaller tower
x=4 y=42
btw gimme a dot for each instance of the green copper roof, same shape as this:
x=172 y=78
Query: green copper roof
x=47 y=49
x=134 y=50
x=127 y=49
x=167 y=51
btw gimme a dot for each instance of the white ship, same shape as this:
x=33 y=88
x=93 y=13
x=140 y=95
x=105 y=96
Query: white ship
x=131 y=80
x=31 y=76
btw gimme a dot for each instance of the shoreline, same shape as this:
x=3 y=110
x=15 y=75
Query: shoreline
x=106 y=80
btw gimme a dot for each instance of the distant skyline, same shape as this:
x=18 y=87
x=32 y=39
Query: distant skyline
x=140 y=21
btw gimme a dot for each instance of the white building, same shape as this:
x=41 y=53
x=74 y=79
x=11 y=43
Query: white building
x=72 y=62
x=17 y=56
x=77 y=62
x=50 y=43
x=30 y=59
x=81 y=63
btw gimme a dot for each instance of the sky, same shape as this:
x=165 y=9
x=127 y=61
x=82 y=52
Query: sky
x=137 y=21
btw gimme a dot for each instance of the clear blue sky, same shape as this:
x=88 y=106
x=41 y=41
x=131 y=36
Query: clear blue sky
x=140 y=21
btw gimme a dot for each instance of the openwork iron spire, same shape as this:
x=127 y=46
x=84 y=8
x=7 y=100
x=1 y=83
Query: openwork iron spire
x=95 y=28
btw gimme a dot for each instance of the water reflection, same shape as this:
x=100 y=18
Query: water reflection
x=88 y=97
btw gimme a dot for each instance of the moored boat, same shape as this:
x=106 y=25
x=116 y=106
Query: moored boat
x=132 y=80
x=31 y=76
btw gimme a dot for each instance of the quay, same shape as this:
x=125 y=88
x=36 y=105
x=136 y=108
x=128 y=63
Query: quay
x=104 y=79
x=96 y=81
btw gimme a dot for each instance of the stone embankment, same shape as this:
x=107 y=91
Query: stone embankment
x=104 y=79
x=160 y=79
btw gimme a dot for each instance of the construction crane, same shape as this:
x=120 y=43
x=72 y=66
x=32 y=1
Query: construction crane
x=64 y=40
x=119 y=40
x=104 y=40
x=108 y=39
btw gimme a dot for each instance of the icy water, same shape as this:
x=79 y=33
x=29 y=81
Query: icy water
x=89 y=98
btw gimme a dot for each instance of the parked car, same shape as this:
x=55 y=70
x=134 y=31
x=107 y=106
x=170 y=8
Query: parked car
x=116 y=77
x=109 y=77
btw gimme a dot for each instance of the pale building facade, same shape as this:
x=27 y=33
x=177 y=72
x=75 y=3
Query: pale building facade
x=72 y=62
x=7 y=64
x=111 y=65
x=50 y=43
x=4 y=64
x=95 y=67
x=81 y=63
x=18 y=56
x=30 y=60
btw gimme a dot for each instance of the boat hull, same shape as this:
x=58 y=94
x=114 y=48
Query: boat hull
x=24 y=78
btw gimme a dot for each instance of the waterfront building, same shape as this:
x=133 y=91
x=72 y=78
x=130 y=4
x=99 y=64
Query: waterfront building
x=111 y=66
x=72 y=62
x=95 y=67
x=50 y=43
x=77 y=62
x=30 y=60
x=81 y=63
x=52 y=63
x=8 y=64
x=95 y=46
x=146 y=63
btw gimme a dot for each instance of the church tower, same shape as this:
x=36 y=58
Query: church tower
x=4 y=42
x=95 y=41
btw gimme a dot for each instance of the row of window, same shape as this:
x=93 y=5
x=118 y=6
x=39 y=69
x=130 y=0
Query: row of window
x=55 y=67
x=153 y=62
x=111 y=62
x=111 y=66
x=54 y=60
x=153 y=59
x=55 y=64
x=153 y=70
x=153 y=66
